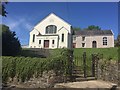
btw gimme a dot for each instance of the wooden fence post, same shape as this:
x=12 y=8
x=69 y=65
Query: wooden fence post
x=84 y=64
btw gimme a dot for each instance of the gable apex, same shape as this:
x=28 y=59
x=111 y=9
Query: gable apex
x=54 y=15
x=59 y=18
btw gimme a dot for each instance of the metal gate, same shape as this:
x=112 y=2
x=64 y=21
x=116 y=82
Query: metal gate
x=86 y=66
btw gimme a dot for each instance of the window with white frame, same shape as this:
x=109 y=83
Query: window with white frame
x=62 y=37
x=33 y=38
x=83 y=38
x=53 y=41
x=104 y=40
x=83 y=44
x=74 y=38
x=39 y=41
x=51 y=29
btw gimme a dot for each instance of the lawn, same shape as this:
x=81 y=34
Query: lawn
x=78 y=52
x=107 y=52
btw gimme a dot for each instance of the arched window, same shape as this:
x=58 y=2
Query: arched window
x=104 y=40
x=94 y=44
x=51 y=29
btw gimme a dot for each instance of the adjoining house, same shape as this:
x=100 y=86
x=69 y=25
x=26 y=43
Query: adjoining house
x=93 y=39
x=52 y=32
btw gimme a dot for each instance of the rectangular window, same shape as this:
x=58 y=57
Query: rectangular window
x=83 y=38
x=33 y=37
x=83 y=44
x=39 y=41
x=62 y=37
x=104 y=43
x=74 y=38
x=53 y=41
x=104 y=40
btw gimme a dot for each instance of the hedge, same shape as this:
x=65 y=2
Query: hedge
x=25 y=68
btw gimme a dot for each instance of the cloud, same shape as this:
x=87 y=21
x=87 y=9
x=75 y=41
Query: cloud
x=28 y=26
x=21 y=26
x=15 y=24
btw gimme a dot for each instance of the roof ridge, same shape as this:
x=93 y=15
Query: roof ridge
x=94 y=32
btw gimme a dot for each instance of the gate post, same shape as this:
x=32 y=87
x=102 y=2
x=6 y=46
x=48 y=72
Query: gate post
x=84 y=63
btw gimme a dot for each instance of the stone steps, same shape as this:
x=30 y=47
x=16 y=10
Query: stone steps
x=96 y=84
x=78 y=74
x=85 y=79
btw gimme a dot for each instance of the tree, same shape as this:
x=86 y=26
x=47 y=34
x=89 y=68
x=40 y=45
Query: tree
x=117 y=42
x=93 y=27
x=10 y=43
x=2 y=8
x=75 y=29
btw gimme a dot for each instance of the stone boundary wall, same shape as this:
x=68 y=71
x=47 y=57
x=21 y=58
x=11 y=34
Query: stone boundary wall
x=47 y=80
x=108 y=71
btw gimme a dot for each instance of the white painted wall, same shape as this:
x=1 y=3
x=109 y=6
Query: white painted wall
x=99 y=39
x=50 y=38
x=31 y=43
x=52 y=19
x=65 y=43
x=62 y=28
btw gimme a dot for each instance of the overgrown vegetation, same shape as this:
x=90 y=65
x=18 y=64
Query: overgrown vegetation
x=25 y=68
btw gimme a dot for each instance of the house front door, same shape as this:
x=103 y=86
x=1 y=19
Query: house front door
x=74 y=45
x=46 y=43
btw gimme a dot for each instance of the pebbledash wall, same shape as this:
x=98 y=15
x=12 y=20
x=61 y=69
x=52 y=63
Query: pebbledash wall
x=99 y=40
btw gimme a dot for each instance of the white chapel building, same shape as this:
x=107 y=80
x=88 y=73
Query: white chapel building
x=52 y=32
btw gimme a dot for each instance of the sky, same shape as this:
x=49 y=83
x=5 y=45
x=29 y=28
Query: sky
x=23 y=16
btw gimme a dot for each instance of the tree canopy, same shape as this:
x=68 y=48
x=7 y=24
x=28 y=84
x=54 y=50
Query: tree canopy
x=10 y=43
x=117 y=42
x=75 y=29
x=93 y=27
x=3 y=11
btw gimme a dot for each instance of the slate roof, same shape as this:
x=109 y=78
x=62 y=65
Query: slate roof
x=93 y=32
